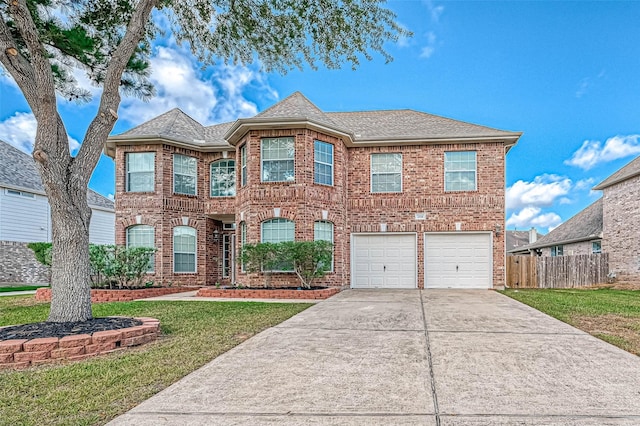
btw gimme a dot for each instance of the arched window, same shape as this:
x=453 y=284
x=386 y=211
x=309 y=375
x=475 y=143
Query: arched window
x=277 y=230
x=184 y=249
x=142 y=236
x=223 y=178
x=323 y=231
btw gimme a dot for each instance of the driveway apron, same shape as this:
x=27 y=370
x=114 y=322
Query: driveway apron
x=408 y=357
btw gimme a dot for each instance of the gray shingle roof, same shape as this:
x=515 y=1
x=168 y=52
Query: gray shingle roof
x=363 y=126
x=18 y=170
x=627 y=172
x=518 y=239
x=584 y=226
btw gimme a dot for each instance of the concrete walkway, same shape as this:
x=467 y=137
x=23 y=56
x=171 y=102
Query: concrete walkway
x=17 y=293
x=412 y=357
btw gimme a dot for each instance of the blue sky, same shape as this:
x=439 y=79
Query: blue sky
x=567 y=74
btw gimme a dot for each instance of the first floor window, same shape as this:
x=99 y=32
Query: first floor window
x=596 y=247
x=386 y=172
x=243 y=241
x=142 y=236
x=460 y=171
x=277 y=231
x=277 y=159
x=184 y=249
x=557 y=251
x=223 y=178
x=184 y=174
x=140 y=167
x=323 y=231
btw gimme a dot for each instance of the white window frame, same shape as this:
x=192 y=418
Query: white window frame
x=283 y=221
x=595 y=250
x=376 y=173
x=195 y=175
x=15 y=193
x=317 y=162
x=243 y=242
x=152 y=263
x=448 y=162
x=228 y=185
x=243 y=165
x=315 y=236
x=128 y=172
x=195 y=250
x=557 y=250
x=283 y=139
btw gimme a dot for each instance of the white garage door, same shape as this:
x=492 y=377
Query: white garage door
x=460 y=260
x=383 y=261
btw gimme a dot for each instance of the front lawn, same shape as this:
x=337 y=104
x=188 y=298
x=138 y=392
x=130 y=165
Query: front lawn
x=20 y=288
x=94 y=391
x=611 y=315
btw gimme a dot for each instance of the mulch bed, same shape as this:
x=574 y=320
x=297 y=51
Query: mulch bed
x=53 y=329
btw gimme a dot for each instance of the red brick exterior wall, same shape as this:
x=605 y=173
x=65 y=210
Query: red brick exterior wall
x=620 y=224
x=348 y=204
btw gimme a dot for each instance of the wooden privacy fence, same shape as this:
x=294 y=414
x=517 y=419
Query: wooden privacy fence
x=557 y=272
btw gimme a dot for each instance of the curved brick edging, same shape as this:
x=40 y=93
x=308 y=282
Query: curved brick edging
x=251 y=293
x=99 y=295
x=22 y=353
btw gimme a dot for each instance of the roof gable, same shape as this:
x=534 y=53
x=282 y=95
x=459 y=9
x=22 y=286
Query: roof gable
x=627 y=172
x=173 y=125
x=296 y=107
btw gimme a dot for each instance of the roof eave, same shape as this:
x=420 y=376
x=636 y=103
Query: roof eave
x=509 y=140
x=568 y=241
x=244 y=125
x=604 y=184
x=112 y=141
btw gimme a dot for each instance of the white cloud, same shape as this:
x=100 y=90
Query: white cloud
x=533 y=217
x=592 y=153
x=19 y=130
x=583 y=87
x=181 y=83
x=542 y=192
x=430 y=48
x=434 y=10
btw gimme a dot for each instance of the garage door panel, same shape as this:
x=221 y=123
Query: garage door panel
x=384 y=261
x=460 y=260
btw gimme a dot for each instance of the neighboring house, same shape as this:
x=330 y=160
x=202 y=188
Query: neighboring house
x=409 y=199
x=25 y=215
x=518 y=239
x=582 y=234
x=621 y=220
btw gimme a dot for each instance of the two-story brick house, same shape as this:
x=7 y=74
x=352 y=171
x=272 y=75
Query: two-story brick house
x=408 y=199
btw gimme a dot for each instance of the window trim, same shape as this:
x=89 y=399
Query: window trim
x=127 y=179
x=243 y=241
x=371 y=173
x=315 y=161
x=292 y=159
x=557 y=250
x=22 y=194
x=195 y=252
x=475 y=172
x=243 y=165
x=221 y=160
x=332 y=241
x=195 y=177
x=599 y=250
x=278 y=220
x=152 y=261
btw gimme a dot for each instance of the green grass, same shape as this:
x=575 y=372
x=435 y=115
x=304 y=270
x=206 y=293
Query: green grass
x=566 y=304
x=21 y=288
x=94 y=391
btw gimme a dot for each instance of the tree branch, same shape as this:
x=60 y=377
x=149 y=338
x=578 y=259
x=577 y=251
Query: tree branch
x=17 y=65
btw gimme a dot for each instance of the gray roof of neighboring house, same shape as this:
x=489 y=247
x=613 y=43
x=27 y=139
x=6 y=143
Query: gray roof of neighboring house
x=363 y=126
x=18 y=170
x=584 y=226
x=518 y=239
x=627 y=172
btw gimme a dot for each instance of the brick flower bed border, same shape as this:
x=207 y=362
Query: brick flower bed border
x=25 y=353
x=268 y=294
x=99 y=296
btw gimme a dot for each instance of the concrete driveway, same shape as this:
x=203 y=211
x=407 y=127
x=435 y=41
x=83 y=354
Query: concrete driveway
x=408 y=357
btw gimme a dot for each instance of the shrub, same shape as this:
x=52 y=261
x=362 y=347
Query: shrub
x=42 y=251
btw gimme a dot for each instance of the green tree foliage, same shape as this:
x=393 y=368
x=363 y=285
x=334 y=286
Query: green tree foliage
x=308 y=259
x=42 y=251
x=43 y=42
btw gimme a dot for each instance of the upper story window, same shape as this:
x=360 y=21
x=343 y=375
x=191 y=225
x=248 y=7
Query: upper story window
x=142 y=236
x=277 y=159
x=223 y=178
x=20 y=193
x=596 y=247
x=460 y=171
x=386 y=172
x=184 y=174
x=557 y=251
x=140 y=167
x=322 y=163
x=184 y=249
x=243 y=165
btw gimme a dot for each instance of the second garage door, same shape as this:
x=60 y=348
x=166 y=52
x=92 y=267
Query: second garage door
x=383 y=261
x=460 y=260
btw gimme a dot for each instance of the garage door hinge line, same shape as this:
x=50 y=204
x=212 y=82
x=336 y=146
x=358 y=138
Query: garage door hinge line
x=432 y=378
